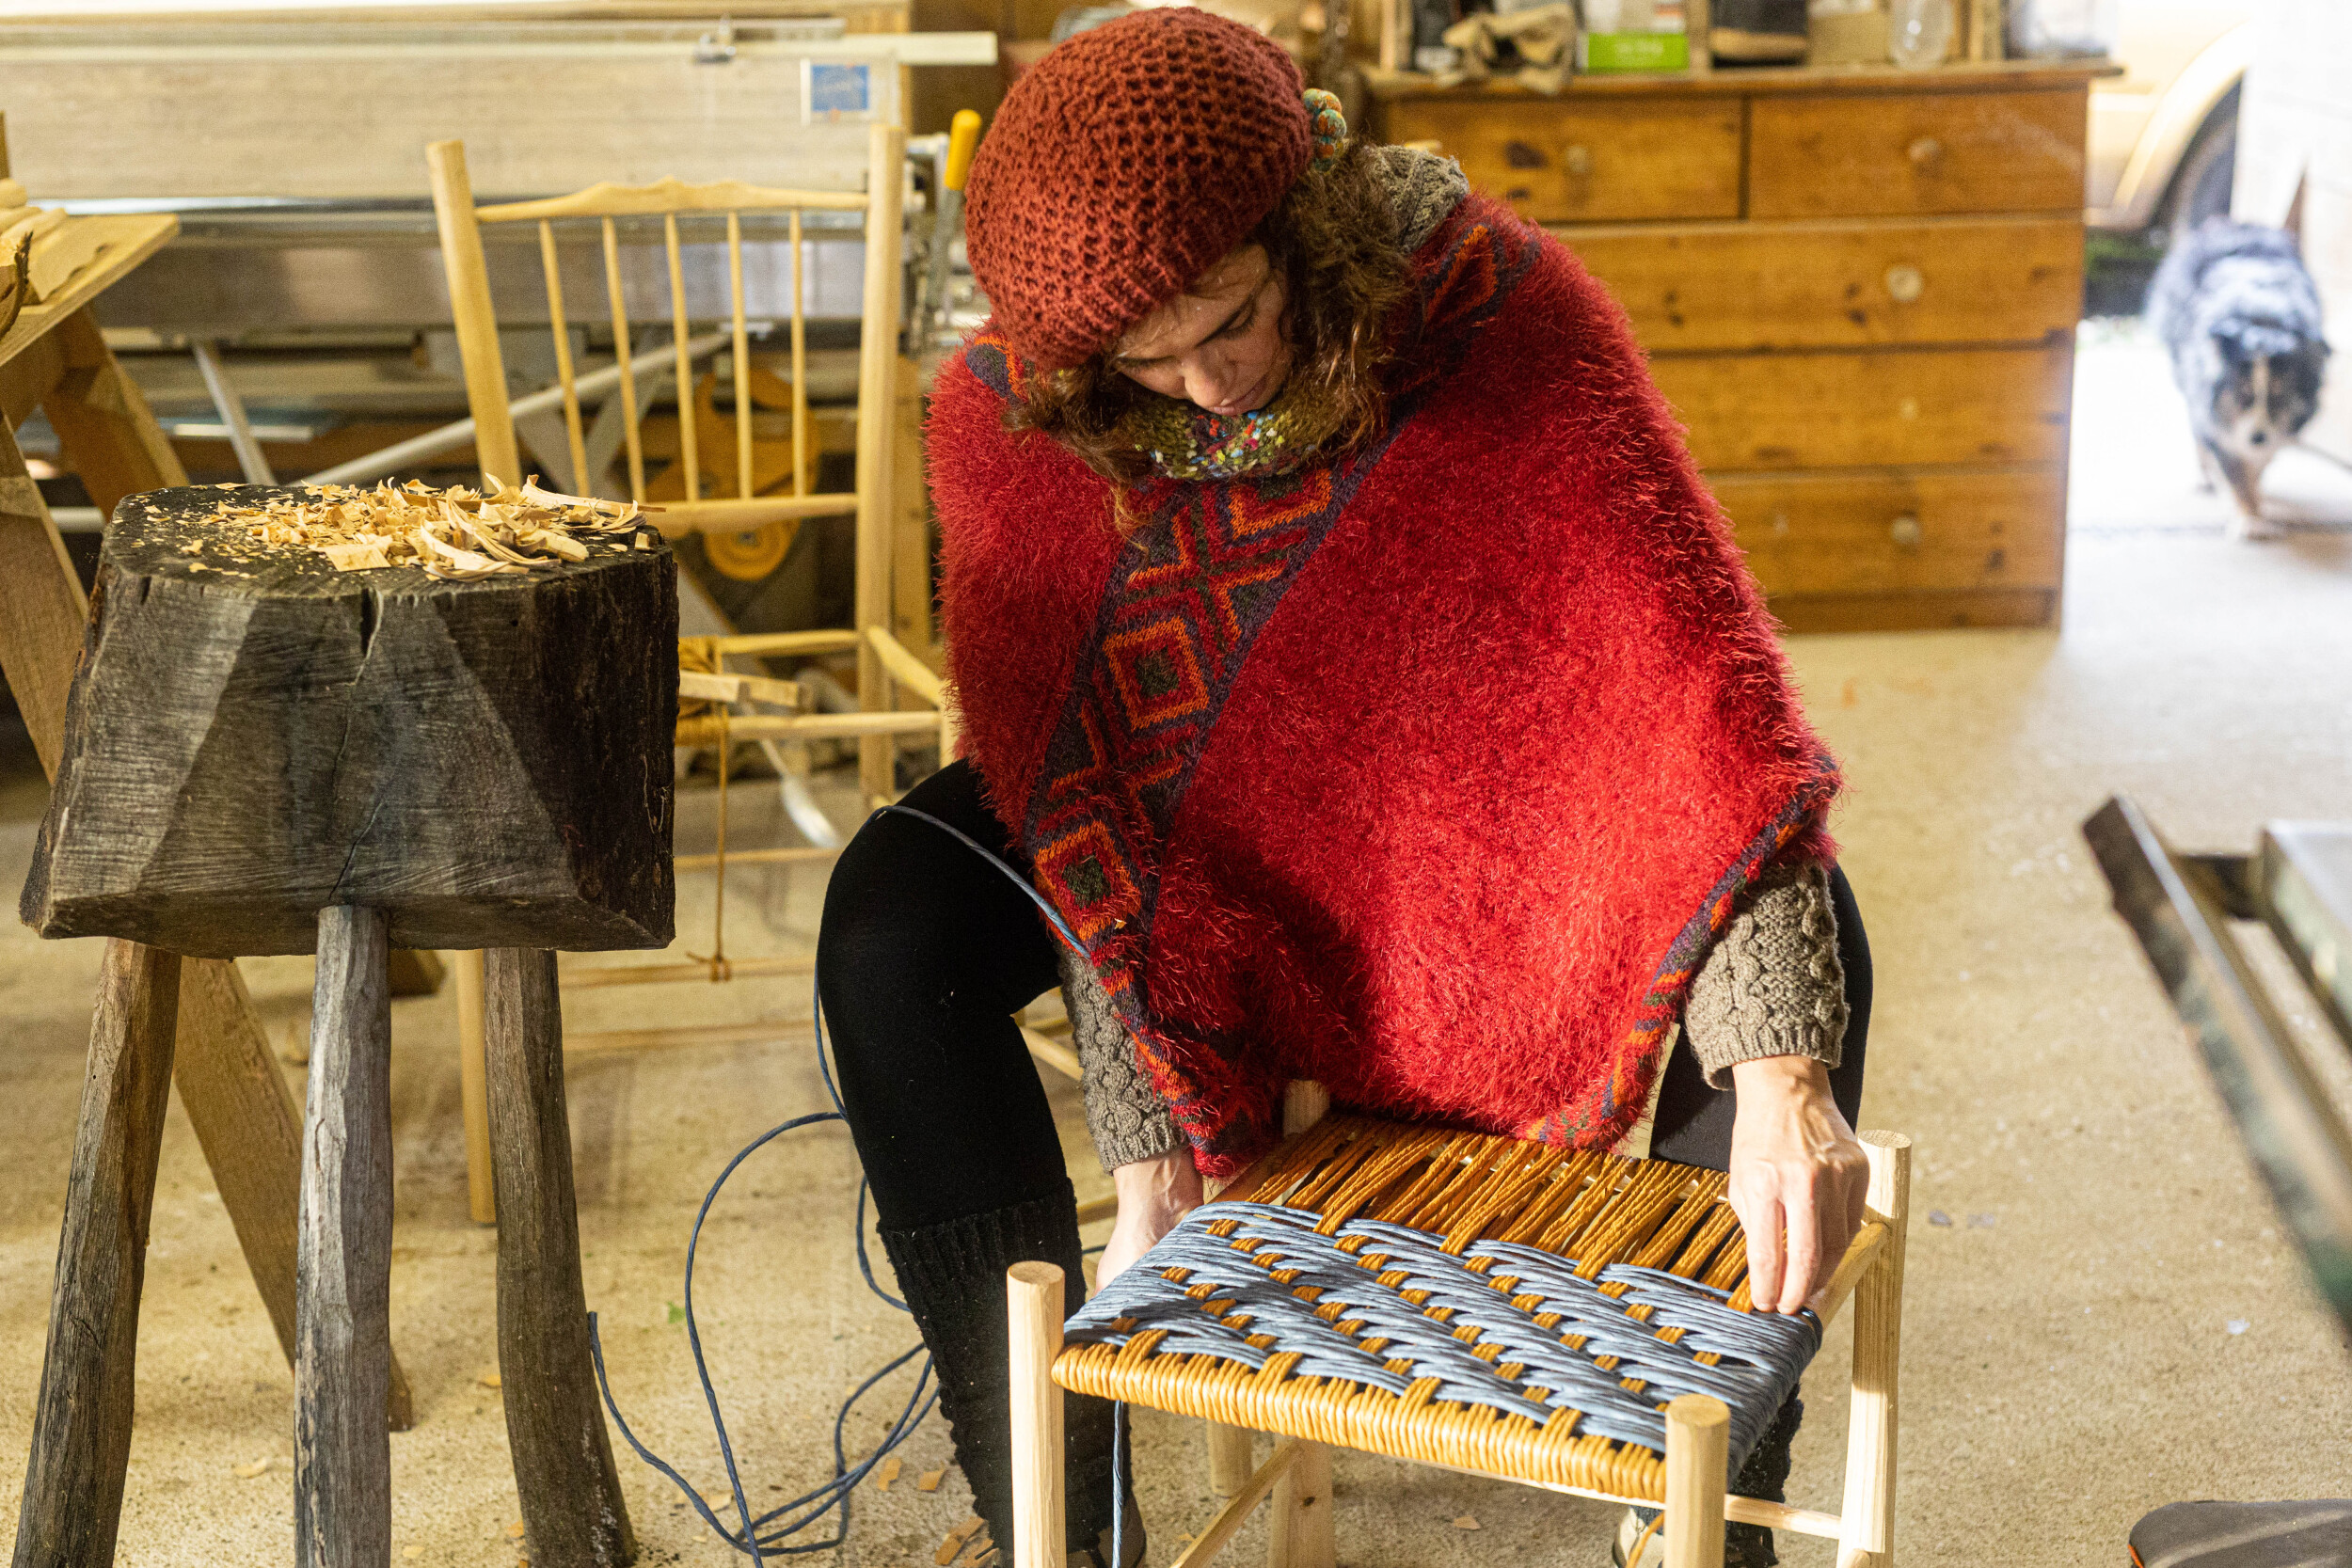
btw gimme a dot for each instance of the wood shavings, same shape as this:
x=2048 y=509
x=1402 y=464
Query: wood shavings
x=930 y=1480
x=454 y=536
x=888 y=1473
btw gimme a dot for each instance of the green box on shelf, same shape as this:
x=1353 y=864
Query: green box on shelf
x=1607 y=51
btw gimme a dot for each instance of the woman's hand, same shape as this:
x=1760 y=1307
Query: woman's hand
x=1153 y=1196
x=1795 y=1169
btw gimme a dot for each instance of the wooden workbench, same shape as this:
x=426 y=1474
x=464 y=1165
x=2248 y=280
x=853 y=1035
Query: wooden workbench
x=1859 y=289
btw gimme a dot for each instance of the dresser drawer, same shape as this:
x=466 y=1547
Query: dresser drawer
x=1566 y=162
x=1871 y=407
x=1899 y=155
x=1841 y=285
x=1892 y=533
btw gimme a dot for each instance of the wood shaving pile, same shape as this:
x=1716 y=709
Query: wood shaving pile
x=456 y=535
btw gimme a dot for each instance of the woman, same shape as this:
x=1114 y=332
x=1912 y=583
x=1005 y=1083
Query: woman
x=1349 y=653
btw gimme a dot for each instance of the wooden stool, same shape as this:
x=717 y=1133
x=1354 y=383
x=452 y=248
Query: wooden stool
x=1502 y=1308
x=263 y=754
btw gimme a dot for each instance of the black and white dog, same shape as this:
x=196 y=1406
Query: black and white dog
x=2234 y=308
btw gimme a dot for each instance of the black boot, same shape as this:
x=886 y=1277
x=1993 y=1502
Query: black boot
x=1765 y=1475
x=953 y=1278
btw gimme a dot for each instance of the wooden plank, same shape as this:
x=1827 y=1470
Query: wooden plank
x=102 y=421
x=343 y=1363
x=1899 y=153
x=1898 y=530
x=133 y=237
x=82 y=1423
x=1849 y=284
x=1867 y=408
x=1946 y=610
x=1602 y=162
x=574 y=1514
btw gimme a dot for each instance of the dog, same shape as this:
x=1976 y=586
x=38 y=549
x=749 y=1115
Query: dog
x=2239 y=316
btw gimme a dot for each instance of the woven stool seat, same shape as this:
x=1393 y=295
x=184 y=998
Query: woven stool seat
x=1453 y=1298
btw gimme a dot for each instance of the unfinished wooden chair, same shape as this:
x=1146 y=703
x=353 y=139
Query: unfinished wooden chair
x=716 y=703
x=1571 y=1320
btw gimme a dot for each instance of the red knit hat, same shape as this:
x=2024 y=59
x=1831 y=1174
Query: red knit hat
x=1121 y=166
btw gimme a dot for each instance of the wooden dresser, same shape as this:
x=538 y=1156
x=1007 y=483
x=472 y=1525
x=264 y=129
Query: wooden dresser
x=1858 y=289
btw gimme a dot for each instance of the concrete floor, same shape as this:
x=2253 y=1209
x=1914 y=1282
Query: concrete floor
x=2109 y=1321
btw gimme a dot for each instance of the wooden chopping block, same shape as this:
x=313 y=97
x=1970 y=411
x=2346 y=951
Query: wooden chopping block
x=266 y=754
x=253 y=736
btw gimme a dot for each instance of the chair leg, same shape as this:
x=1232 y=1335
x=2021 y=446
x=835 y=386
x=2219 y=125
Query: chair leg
x=1867 y=1540
x=473 y=1090
x=1698 y=1460
x=1033 y=1292
x=1230 y=1468
x=1300 y=1531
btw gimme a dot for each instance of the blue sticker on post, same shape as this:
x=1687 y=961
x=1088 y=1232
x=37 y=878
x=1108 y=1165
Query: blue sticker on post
x=839 y=88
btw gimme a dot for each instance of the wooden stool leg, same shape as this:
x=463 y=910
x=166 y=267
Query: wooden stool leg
x=1300 y=1533
x=1867 y=1540
x=573 y=1512
x=344 y=1259
x=1230 y=1468
x=1033 y=1291
x=1698 y=1460
x=473 y=1091
x=81 y=1426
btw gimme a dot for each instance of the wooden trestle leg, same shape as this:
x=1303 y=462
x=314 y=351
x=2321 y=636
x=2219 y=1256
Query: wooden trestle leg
x=82 y=1425
x=343 y=1255
x=573 y=1512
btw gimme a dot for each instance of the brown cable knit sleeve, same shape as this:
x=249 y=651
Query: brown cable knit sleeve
x=1771 y=985
x=1126 y=1115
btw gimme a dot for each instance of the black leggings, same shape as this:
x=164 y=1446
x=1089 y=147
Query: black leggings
x=927 y=950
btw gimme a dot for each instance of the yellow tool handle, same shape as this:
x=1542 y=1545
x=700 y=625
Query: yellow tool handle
x=964 y=135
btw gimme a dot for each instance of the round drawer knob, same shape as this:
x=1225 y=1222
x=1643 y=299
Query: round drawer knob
x=1924 y=151
x=1905 y=283
x=1577 y=160
x=1904 y=531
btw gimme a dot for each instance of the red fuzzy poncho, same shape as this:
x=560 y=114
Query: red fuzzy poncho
x=1429 y=775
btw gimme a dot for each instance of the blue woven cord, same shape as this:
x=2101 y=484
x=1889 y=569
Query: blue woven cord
x=1763 y=1353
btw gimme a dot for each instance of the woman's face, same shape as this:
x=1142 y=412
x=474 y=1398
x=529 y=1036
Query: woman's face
x=1219 y=343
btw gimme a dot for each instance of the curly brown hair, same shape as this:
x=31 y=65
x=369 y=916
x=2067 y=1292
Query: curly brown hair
x=1333 y=237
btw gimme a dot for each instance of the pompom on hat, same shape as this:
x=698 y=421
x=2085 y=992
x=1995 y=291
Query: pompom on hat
x=1124 y=165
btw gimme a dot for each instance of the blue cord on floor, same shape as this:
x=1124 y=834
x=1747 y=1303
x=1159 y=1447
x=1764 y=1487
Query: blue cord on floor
x=838 y=1493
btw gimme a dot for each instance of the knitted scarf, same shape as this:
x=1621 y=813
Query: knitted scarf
x=1182 y=440
x=1428 y=772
